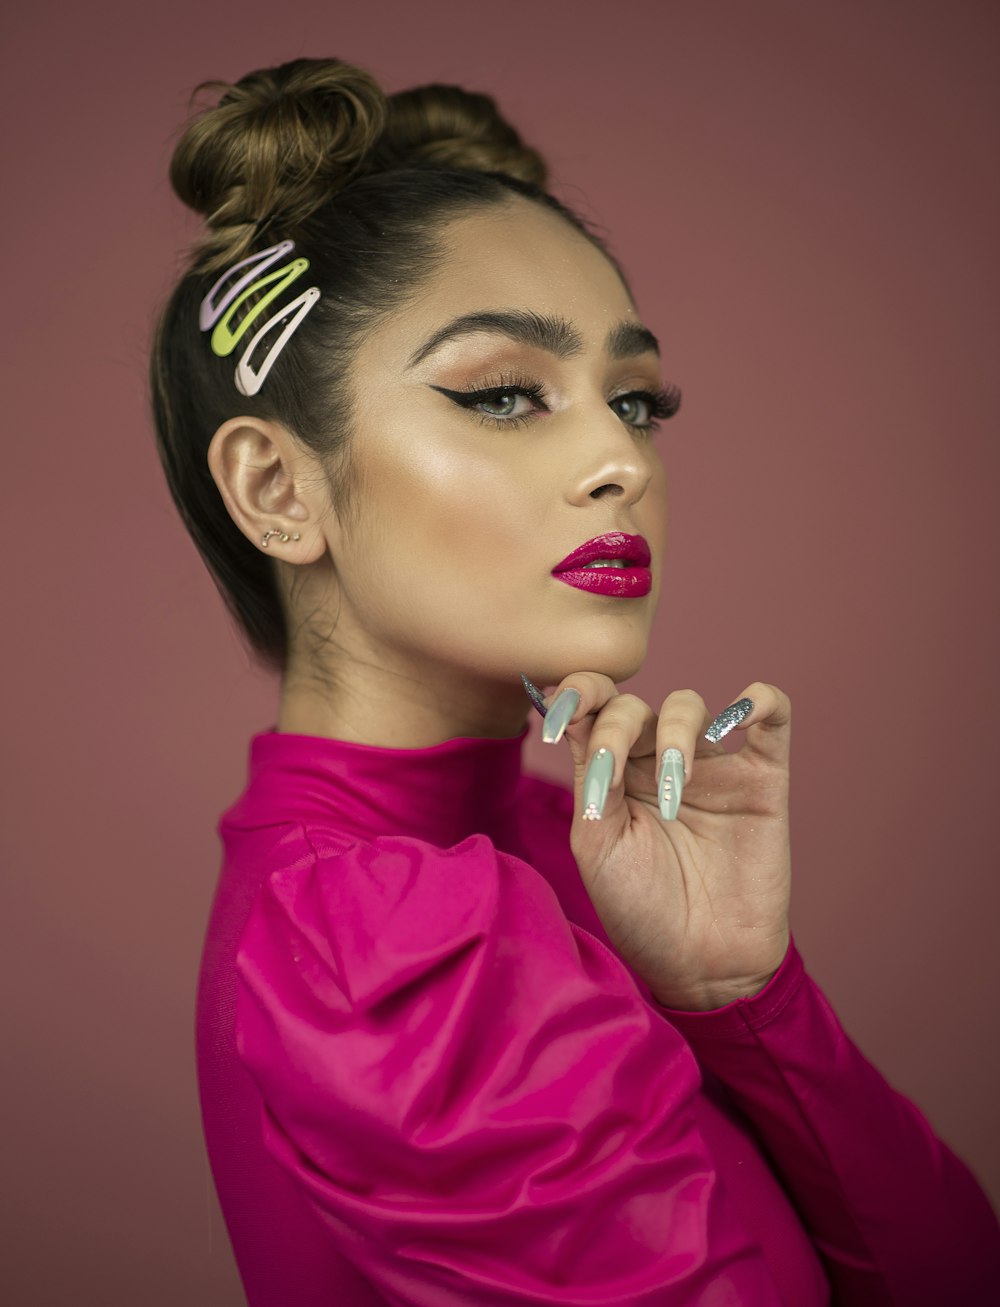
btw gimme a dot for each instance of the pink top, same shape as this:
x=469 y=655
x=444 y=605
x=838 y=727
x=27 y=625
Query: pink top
x=428 y=1078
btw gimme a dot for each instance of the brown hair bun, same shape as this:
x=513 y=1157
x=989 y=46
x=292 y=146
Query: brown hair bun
x=280 y=141
x=455 y=128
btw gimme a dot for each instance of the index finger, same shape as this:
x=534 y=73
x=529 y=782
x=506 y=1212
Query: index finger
x=577 y=696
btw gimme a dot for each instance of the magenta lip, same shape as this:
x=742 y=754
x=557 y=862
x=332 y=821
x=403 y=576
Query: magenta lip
x=620 y=582
x=631 y=582
x=613 y=544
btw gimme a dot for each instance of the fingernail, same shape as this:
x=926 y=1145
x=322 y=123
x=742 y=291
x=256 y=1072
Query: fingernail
x=534 y=694
x=728 y=718
x=557 y=718
x=670 y=783
x=596 y=784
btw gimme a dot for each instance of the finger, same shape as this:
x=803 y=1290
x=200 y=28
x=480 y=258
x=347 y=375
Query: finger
x=574 y=698
x=683 y=717
x=624 y=727
x=767 y=724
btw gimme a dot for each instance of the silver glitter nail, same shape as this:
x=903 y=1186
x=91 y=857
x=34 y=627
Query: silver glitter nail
x=534 y=694
x=728 y=718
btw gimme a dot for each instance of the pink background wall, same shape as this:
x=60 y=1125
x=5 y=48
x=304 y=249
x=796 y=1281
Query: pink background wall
x=806 y=199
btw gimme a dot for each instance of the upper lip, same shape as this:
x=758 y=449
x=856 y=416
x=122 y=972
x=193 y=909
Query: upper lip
x=613 y=544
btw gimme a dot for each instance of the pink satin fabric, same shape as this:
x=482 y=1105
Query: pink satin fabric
x=428 y=1078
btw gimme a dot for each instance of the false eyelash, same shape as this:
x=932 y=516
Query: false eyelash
x=502 y=384
x=663 y=403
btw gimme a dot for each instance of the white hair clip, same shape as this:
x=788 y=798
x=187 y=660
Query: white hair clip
x=250 y=380
x=218 y=315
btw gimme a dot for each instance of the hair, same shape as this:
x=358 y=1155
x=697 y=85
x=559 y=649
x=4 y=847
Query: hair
x=314 y=152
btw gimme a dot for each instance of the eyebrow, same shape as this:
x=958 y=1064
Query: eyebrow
x=628 y=339
x=556 y=335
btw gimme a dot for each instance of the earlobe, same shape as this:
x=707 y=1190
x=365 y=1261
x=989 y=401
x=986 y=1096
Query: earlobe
x=262 y=475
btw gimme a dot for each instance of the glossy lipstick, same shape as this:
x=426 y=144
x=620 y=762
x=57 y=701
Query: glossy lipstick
x=629 y=582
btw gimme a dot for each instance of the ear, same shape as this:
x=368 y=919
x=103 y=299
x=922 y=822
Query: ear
x=269 y=481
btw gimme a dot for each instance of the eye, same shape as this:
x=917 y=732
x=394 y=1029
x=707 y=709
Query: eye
x=508 y=402
x=633 y=409
x=642 y=409
x=505 y=404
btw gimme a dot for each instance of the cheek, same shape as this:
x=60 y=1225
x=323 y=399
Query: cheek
x=448 y=542
x=462 y=504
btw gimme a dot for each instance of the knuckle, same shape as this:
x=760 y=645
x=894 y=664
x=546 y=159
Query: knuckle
x=602 y=737
x=683 y=703
x=618 y=712
x=593 y=687
x=629 y=704
x=766 y=691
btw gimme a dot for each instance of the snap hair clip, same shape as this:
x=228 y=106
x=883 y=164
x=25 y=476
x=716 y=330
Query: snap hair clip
x=211 y=310
x=220 y=306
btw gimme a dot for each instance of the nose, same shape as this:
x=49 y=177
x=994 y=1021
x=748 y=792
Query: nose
x=610 y=461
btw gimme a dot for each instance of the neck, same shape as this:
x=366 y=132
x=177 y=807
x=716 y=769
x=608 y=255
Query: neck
x=364 y=704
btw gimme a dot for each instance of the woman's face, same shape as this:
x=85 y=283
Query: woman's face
x=465 y=504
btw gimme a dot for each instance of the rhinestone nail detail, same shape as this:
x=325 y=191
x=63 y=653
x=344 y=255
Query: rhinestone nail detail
x=670 y=782
x=596 y=784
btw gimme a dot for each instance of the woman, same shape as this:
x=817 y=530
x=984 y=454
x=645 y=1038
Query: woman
x=465 y=1037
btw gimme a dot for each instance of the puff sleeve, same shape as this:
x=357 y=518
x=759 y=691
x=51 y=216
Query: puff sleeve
x=472 y=1092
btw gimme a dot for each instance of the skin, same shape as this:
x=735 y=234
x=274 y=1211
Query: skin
x=415 y=607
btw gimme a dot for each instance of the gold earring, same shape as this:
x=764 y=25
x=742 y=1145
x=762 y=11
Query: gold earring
x=282 y=536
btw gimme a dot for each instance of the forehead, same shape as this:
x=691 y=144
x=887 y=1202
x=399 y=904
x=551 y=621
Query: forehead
x=517 y=256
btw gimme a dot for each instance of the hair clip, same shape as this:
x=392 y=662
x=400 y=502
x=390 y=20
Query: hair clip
x=210 y=312
x=224 y=337
x=248 y=380
x=218 y=316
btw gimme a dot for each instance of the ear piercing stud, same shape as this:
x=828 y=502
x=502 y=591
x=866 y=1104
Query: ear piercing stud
x=282 y=536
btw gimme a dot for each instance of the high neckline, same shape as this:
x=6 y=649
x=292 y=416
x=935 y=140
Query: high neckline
x=441 y=793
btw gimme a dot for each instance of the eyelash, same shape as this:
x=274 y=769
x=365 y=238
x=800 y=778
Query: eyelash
x=662 y=404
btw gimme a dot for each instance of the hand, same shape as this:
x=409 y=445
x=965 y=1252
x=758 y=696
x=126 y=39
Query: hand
x=698 y=906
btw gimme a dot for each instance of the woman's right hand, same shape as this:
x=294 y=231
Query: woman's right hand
x=698 y=905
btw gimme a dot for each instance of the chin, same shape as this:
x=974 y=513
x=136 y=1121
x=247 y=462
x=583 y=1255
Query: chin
x=617 y=654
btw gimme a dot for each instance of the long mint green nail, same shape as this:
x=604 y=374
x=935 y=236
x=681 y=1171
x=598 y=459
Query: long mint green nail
x=596 y=784
x=728 y=718
x=670 y=783
x=561 y=709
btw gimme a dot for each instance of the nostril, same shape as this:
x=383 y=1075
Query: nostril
x=611 y=489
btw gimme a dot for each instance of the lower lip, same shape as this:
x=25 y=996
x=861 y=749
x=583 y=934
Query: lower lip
x=621 y=582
